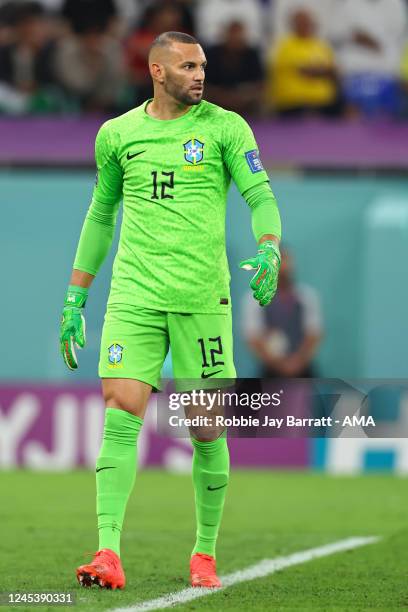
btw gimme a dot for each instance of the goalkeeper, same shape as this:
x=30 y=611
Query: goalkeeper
x=171 y=160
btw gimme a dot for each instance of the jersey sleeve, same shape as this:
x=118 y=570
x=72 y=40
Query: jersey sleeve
x=241 y=155
x=109 y=176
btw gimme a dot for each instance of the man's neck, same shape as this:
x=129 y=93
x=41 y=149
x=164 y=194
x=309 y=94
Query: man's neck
x=166 y=109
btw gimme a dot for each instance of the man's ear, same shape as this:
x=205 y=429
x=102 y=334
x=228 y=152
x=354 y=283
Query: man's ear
x=157 y=72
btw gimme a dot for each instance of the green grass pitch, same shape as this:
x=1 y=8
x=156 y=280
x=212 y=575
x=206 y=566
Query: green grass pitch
x=48 y=523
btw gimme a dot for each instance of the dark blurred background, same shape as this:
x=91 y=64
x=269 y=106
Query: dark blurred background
x=286 y=58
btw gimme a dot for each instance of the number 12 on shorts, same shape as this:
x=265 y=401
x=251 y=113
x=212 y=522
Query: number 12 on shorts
x=210 y=349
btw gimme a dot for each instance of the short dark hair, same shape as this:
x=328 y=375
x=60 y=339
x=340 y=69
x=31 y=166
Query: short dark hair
x=166 y=38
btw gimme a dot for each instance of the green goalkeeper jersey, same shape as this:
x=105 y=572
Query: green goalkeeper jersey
x=173 y=176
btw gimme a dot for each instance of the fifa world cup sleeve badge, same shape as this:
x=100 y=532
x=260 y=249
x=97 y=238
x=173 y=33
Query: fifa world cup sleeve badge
x=253 y=161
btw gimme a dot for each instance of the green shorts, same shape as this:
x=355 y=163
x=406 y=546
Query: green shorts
x=135 y=342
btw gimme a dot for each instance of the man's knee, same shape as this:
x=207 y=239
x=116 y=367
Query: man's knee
x=206 y=434
x=130 y=395
x=117 y=399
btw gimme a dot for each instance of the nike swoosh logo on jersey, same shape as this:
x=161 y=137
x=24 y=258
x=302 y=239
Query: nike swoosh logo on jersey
x=208 y=374
x=129 y=156
x=210 y=488
x=108 y=467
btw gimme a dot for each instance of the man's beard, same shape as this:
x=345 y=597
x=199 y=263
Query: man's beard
x=181 y=96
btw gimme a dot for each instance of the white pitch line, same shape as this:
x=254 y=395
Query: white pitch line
x=259 y=570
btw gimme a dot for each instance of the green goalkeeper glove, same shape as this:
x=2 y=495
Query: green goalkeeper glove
x=267 y=264
x=72 y=330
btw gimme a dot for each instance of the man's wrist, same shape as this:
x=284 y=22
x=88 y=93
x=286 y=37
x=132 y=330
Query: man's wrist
x=270 y=245
x=269 y=238
x=76 y=296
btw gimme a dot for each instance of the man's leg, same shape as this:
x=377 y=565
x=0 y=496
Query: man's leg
x=202 y=346
x=210 y=480
x=133 y=347
x=126 y=402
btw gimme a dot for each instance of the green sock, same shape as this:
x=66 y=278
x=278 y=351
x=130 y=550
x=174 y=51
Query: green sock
x=115 y=474
x=210 y=477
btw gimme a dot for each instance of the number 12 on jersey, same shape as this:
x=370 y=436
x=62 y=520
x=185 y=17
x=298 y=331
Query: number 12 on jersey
x=161 y=185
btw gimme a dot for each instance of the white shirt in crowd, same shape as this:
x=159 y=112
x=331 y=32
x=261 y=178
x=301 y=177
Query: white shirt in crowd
x=383 y=20
x=212 y=16
x=253 y=319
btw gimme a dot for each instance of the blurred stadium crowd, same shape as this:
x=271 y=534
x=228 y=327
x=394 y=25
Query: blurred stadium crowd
x=282 y=58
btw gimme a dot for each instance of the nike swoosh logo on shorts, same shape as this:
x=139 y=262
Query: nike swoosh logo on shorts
x=108 y=467
x=208 y=374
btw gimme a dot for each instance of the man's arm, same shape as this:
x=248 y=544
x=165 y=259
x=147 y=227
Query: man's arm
x=287 y=365
x=241 y=157
x=266 y=227
x=265 y=217
x=94 y=244
x=81 y=279
x=298 y=361
x=313 y=332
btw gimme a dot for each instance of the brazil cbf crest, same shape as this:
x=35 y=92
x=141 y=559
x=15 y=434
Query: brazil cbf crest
x=115 y=354
x=193 y=151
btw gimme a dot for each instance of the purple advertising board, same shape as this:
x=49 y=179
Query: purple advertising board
x=314 y=143
x=49 y=427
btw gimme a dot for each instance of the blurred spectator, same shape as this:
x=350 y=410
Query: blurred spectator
x=132 y=11
x=234 y=75
x=50 y=6
x=187 y=14
x=286 y=334
x=322 y=11
x=158 y=18
x=7 y=19
x=212 y=17
x=368 y=37
x=302 y=74
x=89 y=67
x=53 y=6
x=26 y=63
x=85 y=15
x=403 y=109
